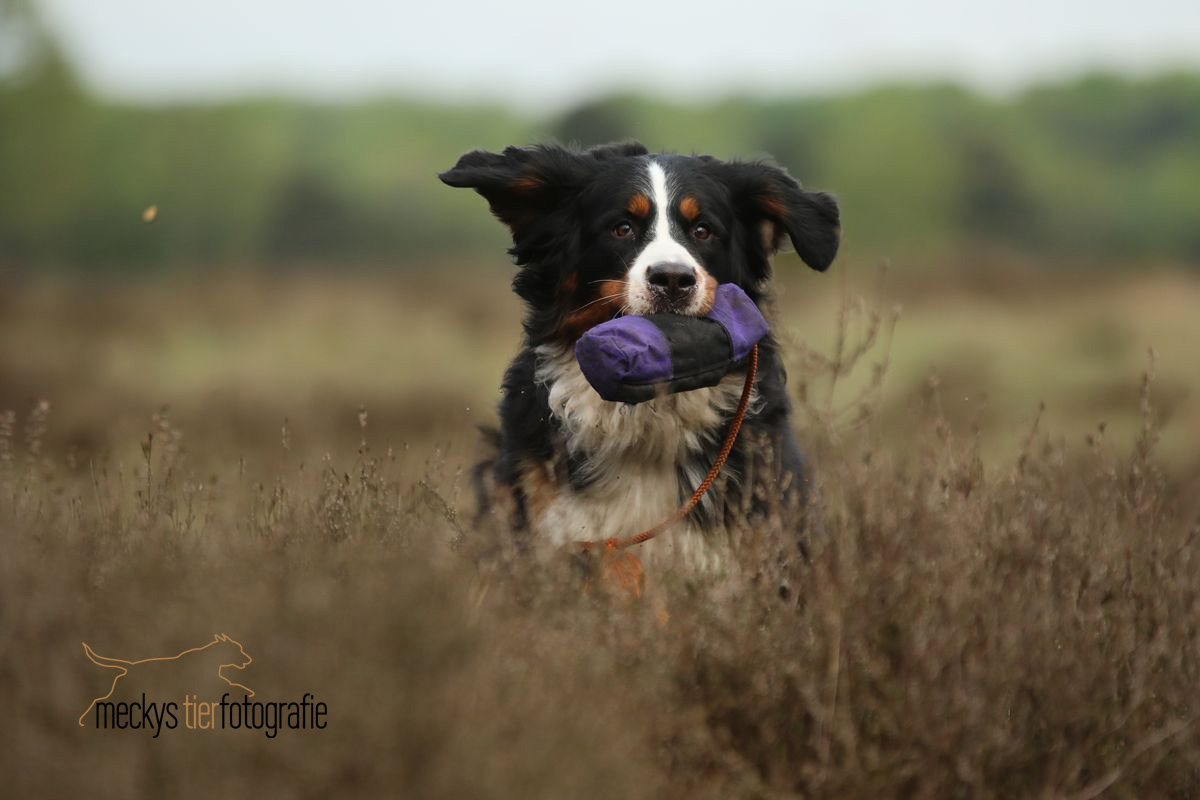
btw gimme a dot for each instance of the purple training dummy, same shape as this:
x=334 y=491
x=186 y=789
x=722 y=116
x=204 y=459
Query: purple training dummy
x=634 y=359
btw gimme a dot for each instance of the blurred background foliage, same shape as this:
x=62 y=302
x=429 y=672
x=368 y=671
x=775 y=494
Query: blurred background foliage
x=1042 y=243
x=1101 y=171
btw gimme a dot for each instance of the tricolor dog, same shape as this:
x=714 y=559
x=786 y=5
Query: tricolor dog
x=616 y=231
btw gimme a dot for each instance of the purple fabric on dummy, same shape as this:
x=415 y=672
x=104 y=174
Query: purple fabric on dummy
x=633 y=359
x=738 y=315
x=623 y=350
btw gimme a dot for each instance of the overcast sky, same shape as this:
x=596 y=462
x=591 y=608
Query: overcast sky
x=545 y=53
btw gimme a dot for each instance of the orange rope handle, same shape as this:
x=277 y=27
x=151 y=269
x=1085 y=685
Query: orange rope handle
x=735 y=427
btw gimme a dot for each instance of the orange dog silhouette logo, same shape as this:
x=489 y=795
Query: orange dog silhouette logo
x=221 y=652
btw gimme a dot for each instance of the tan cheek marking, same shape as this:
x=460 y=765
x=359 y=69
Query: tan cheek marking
x=595 y=311
x=710 y=291
x=639 y=205
x=690 y=208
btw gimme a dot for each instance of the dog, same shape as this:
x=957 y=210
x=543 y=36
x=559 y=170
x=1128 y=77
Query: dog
x=617 y=230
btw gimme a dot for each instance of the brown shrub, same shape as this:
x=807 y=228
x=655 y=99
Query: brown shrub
x=960 y=629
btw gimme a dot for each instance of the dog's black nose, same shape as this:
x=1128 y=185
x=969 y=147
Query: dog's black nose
x=674 y=280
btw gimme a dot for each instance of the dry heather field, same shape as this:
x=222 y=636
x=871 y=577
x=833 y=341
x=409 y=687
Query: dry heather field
x=1005 y=600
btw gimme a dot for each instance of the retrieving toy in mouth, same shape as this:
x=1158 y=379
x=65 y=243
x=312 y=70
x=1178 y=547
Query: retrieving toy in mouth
x=634 y=359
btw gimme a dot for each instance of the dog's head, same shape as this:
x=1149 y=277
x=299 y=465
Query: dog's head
x=616 y=230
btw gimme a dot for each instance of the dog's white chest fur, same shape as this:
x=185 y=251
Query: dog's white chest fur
x=632 y=456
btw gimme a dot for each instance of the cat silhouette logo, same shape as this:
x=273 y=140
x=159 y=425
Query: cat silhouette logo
x=192 y=672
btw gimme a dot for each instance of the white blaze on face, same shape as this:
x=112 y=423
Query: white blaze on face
x=661 y=248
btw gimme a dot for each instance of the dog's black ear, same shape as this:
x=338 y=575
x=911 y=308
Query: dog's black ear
x=521 y=184
x=771 y=202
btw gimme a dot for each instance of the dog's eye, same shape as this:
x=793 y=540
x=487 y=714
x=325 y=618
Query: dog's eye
x=622 y=230
x=701 y=231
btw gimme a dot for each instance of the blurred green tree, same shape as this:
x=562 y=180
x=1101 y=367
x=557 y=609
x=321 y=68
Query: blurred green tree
x=1101 y=170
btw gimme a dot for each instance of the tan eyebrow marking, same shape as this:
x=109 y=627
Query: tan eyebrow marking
x=690 y=208
x=639 y=205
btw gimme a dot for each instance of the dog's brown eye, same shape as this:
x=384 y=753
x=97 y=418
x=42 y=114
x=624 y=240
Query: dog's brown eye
x=701 y=231
x=622 y=230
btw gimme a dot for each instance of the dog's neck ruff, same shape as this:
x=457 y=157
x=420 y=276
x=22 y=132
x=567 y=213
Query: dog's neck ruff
x=605 y=435
x=735 y=427
x=586 y=418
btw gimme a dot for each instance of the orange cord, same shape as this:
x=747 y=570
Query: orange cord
x=735 y=426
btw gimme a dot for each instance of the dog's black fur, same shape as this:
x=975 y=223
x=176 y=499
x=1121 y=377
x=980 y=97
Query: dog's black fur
x=575 y=237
